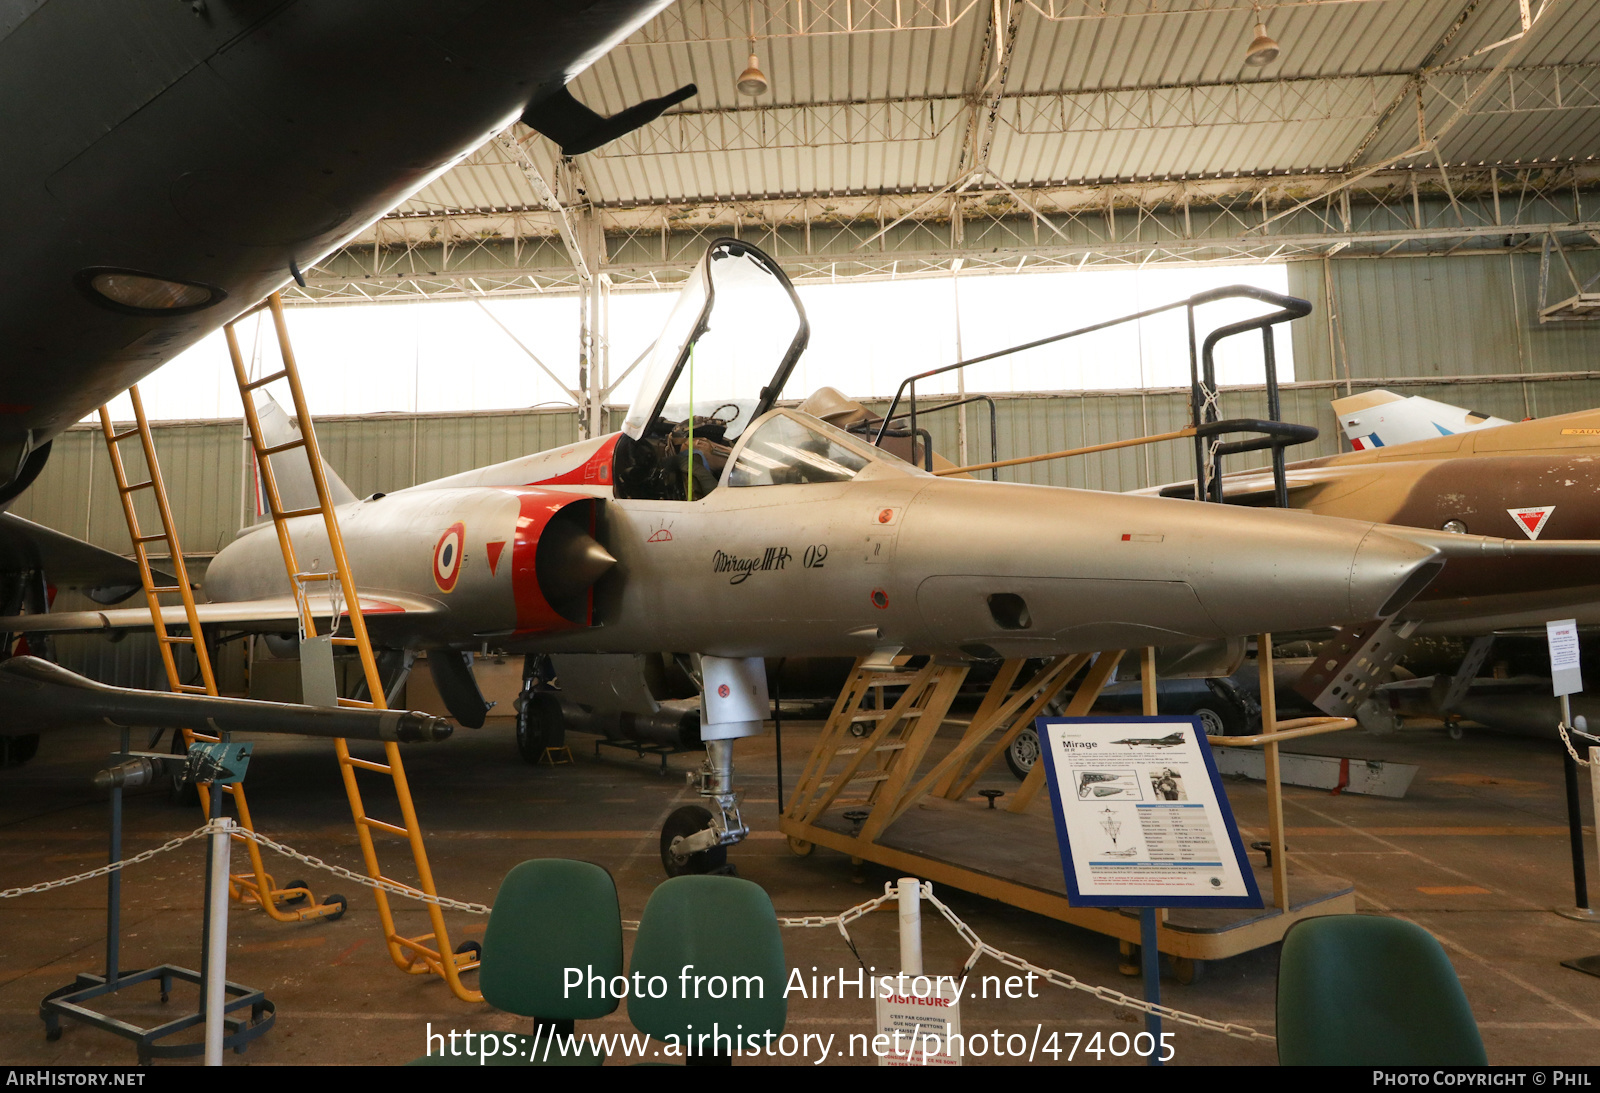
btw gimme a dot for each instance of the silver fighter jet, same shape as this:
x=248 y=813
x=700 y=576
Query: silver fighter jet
x=729 y=529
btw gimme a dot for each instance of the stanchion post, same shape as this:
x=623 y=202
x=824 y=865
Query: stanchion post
x=910 y=892
x=1580 y=879
x=217 y=937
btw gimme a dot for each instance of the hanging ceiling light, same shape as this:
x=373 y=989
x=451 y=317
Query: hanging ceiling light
x=1263 y=49
x=752 y=81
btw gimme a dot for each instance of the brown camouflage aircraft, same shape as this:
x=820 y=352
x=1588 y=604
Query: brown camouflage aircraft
x=1523 y=481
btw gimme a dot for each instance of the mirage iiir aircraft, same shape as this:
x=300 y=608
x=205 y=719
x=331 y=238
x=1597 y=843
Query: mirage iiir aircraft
x=729 y=529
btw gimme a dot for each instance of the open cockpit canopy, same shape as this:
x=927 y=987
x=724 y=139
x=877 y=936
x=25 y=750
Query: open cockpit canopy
x=736 y=323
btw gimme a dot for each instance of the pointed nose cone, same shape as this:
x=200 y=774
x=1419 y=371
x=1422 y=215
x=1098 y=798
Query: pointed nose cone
x=569 y=561
x=1027 y=570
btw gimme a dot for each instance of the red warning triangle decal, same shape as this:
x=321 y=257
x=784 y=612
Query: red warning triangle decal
x=1531 y=520
x=493 y=550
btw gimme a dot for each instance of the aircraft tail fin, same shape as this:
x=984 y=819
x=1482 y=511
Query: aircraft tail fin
x=1378 y=419
x=291 y=468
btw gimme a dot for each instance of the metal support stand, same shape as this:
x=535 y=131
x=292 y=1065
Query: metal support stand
x=1150 y=960
x=218 y=996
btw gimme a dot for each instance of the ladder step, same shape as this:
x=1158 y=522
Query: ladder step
x=290 y=514
x=878 y=715
x=177 y=639
x=284 y=447
x=160 y=588
x=192 y=689
x=889 y=679
x=365 y=764
x=875 y=777
x=881 y=747
x=264 y=380
x=145 y=485
x=158 y=537
x=383 y=826
x=356 y=703
x=303 y=577
x=125 y=434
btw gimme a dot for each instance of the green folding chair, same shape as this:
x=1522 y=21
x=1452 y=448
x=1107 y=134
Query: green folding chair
x=550 y=915
x=712 y=947
x=1361 y=990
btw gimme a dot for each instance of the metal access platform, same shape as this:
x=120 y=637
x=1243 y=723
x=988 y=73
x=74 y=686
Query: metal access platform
x=873 y=797
x=867 y=791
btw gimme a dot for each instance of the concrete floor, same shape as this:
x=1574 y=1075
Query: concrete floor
x=1477 y=853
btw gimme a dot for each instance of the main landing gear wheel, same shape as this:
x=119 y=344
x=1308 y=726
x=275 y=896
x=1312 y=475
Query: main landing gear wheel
x=686 y=821
x=1023 y=752
x=1219 y=718
x=540 y=724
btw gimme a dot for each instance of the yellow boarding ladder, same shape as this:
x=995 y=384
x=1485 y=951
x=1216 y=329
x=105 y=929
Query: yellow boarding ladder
x=257 y=885
x=417 y=955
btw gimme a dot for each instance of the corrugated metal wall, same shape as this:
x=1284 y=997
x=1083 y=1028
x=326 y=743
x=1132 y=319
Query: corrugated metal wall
x=1461 y=329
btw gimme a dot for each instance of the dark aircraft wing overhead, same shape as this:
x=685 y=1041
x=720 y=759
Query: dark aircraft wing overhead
x=272 y=614
x=67 y=562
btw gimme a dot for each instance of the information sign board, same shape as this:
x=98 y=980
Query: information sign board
x=1141 y=816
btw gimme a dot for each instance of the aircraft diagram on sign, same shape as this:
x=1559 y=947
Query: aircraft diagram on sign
x=788 y=538
x=1172 y=740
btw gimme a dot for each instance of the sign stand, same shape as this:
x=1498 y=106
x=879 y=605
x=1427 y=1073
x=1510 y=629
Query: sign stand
x=1142 y=821
x=1150 y=960
x=218 y=996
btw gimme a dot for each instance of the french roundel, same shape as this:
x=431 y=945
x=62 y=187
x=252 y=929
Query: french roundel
x=447 y=557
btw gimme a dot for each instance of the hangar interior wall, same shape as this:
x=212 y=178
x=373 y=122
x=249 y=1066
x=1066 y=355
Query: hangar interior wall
x=1462 y=329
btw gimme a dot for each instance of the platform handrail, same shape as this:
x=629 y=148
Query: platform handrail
x=1202 y=371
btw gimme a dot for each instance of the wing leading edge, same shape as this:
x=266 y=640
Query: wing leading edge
x=271 y=614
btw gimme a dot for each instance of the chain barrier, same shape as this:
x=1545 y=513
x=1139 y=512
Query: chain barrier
x=980 y=948
x=106 y=870
x=350 y=875
x=1104 y=994
x=1561 y=728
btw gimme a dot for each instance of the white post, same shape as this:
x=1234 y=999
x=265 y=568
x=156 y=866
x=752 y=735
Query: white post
x=910 y=891
x=217 y=951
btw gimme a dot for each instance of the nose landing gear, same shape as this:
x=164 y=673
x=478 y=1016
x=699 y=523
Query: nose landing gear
x=695 y=839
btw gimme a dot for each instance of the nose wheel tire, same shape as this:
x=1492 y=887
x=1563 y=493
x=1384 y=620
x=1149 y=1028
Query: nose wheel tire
x=1023 y=752
x=540 y=724
x=686 y=821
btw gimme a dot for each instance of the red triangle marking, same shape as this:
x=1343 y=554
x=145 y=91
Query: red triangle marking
x=1531 y=519
x=493 y=550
